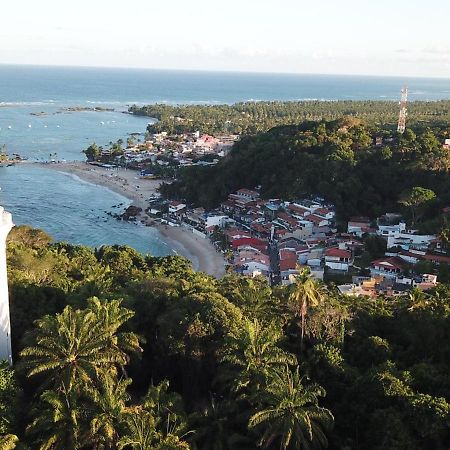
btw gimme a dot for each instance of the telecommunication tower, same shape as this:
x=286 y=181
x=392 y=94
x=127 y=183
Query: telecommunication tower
x=402 y=115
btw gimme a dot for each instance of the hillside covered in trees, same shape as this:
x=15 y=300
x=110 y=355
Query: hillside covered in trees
x=337 y=160
x=254 y=117
x=114 y=350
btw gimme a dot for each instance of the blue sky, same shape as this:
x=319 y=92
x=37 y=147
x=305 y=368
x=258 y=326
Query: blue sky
x=376 y=37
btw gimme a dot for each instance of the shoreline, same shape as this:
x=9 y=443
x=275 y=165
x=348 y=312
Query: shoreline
x=200 y=251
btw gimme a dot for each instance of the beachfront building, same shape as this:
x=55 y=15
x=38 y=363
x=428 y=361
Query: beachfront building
x=5 y=326
x=177 y=208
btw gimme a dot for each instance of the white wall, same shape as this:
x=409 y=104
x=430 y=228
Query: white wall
x=216 y=221
x=5 y=327
x=337 y=265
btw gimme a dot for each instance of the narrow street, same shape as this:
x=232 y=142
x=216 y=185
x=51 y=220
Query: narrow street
x=275 y=276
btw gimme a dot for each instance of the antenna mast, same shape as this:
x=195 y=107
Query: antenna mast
x=402 y=115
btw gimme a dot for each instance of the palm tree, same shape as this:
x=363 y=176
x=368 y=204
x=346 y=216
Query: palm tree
x=219 y=427
x=59 y=421
x=253 y=348
x=8 y=442
x=306 y=294
x=77 y=346
x=142 y=433
x=108 y=404
x=158 y=424
x=141 y=430
x=167 y=407
x=418 y=299
x=80 y=352
x=252 y=295
x=292 y=415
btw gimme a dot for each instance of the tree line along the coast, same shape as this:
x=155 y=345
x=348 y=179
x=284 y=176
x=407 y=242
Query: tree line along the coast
x=253 y=117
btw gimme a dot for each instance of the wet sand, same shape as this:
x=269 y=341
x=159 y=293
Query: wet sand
x=200 y=251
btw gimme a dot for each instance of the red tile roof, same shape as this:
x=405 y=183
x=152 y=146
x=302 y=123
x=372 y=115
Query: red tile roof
x=261 y=228
x=397 y=263
x=298 y=209
x=248 y=192
x=359 y=219
x=437 y=258
x=337 y=253
x=322 y=211
x=252 y=242
x=315 y=219
x=286 y=253
x=288 y=264
x=288 y=219
x=411 y=254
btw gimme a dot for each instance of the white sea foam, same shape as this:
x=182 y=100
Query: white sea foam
x=36 y=103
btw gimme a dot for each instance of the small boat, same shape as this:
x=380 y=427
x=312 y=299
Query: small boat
x=29 y=125
x=9 y=127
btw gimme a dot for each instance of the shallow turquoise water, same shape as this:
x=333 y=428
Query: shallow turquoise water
x=72 y=210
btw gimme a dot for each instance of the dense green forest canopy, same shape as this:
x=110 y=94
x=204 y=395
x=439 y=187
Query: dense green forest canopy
x=337 y=160
x=115 y=350
x=253 y=117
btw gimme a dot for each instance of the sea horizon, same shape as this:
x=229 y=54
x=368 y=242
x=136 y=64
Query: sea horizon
x=43 y=85
x=219 y=71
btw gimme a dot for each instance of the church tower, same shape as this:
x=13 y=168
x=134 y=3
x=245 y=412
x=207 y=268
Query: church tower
x=5 y=327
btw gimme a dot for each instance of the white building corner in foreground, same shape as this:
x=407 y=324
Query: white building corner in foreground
x=6 y=225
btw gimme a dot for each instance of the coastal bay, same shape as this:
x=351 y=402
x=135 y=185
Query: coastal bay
x=199 y=251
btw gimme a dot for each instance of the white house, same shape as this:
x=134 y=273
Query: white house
x=176 y=208
x=325 y=212
x=406 y=240
x=391 y=230
x=317 y=220
x=411 y=257
x=218 y=221
x=338 y=259
x=358 y=226
x=389 y=267
x=255 y=268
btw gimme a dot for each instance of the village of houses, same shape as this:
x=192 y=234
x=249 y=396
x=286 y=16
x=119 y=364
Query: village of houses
x=277 y=239
x=182 y=150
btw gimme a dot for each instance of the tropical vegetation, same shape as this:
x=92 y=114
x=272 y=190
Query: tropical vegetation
x=116 y=350
x=253 y=117
x=362 y=169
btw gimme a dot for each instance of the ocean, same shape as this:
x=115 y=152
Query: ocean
x=35 y=123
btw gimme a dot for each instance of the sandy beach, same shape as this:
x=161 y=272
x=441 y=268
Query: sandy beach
x=200 y=251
